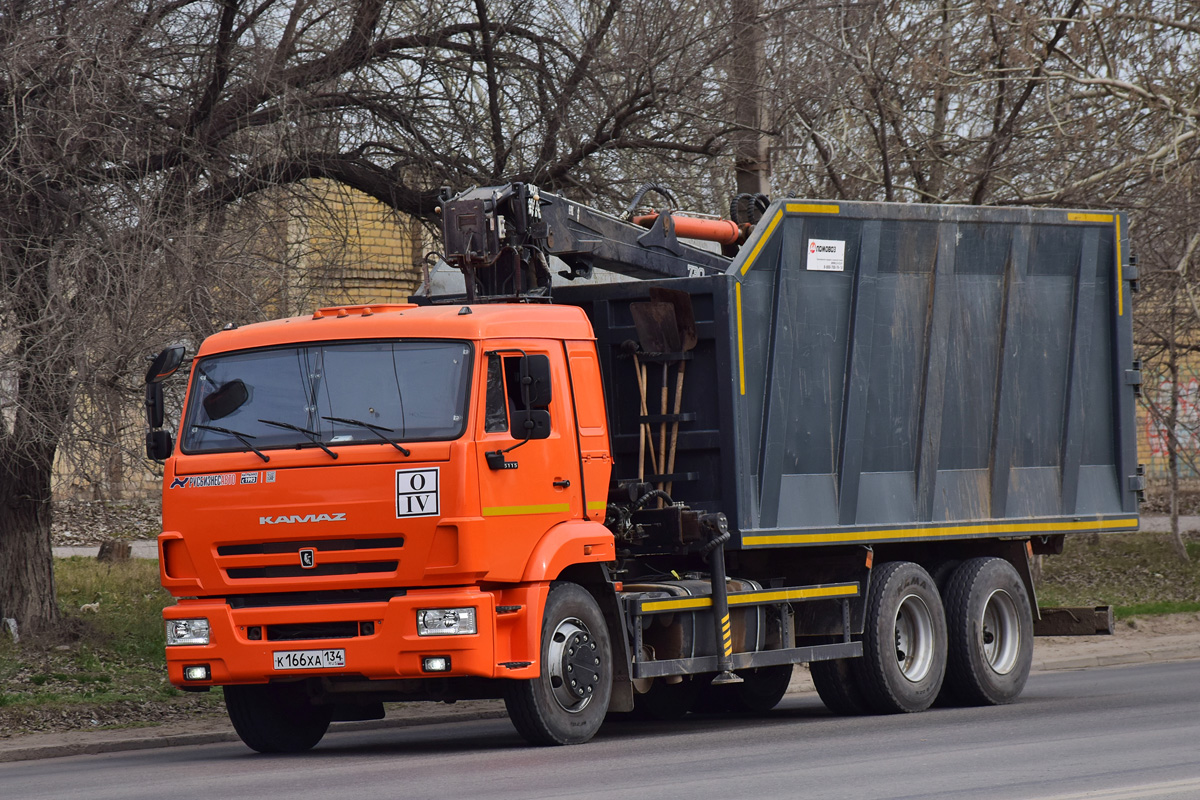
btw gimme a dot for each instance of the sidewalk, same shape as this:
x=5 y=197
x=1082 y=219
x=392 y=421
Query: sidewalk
x=1127 y=646
x=139 y=548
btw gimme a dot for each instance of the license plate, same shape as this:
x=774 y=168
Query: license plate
x=309 y=659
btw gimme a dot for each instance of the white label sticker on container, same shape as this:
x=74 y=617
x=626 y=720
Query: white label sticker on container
x=417 y=493
x=827 y=255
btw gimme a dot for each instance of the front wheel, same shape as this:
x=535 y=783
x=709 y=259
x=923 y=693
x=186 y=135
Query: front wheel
x=904 y=640
x=991 y=634
x=566 y=704
x=276 y=717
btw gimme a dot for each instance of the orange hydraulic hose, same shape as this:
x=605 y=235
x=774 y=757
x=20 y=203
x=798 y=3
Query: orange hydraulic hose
x=724 y=231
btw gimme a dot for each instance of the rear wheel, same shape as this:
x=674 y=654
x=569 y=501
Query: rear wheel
x=991 y=634
x=277 y=717
x=667 y=701
x=566 y=704
x=904 y=640
x=837 y=685
x=760 y=690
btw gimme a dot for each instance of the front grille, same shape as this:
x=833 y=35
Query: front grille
x=314 y=598
x=359 y=555
x=320 y=545
x=297 y=571
x=311 y=630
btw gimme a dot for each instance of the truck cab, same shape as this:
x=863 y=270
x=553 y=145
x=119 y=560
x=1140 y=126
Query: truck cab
x=371 y=503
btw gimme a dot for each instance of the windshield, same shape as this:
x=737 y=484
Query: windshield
x=405 y=391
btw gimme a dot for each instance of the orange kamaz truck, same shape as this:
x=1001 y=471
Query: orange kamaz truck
x=838 y=442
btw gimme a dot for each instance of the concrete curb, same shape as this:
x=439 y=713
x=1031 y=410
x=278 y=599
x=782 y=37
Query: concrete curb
x=40 y=746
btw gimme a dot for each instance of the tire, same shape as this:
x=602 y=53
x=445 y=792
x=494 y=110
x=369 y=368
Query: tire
x=941 y=572
x=837 y=685
x=904 y=641
x=276 y=718
x=760 y=690
x=667 y=702
x=990 y=625
x=550 y=709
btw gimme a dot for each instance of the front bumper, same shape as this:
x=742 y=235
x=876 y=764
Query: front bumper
x=392 y=649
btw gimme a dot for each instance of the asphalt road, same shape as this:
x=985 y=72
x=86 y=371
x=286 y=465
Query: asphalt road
x=1097 y=734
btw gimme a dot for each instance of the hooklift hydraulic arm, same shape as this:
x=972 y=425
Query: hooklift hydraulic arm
x=501 y=238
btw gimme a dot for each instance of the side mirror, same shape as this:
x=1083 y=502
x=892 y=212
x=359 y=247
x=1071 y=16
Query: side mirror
x=535 y=381
x=159 y=445
x=158 y=442
x=165 y=363
x=154 y=405
x=536 y=425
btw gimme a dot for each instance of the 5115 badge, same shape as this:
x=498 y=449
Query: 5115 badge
x=417 y=493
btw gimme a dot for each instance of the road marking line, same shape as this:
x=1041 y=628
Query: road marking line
x=1126 y=793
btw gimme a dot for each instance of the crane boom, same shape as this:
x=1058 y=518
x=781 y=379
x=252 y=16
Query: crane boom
x=501 y=238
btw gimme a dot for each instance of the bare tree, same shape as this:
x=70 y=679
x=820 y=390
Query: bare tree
x=135 y=137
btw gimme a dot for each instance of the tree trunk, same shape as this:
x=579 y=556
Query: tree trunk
x=26 y=562
x=751 y=157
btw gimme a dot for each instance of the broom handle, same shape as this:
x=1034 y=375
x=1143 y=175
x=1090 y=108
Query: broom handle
x=675 y=424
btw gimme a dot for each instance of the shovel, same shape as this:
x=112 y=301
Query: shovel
x=666 y=325
x=658 y=333
x=685 y=319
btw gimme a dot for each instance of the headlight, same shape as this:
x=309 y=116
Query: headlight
x=445 y=621
x=187 y=631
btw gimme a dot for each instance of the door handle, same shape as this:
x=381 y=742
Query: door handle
x=562 y=484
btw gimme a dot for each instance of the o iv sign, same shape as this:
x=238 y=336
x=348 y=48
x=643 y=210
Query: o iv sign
x=826 y=255
x=417 y=493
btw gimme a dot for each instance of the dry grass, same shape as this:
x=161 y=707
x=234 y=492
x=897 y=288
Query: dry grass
x=1123 y=570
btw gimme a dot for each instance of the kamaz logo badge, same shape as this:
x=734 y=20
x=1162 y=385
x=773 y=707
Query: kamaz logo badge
x=296 y=519
x=308 y=558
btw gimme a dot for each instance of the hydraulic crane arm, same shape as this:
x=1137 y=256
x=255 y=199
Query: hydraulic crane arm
x=502 y=236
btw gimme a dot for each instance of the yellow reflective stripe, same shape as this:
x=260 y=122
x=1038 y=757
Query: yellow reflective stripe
x=597 y=505
x=1116 y=219
x=508 y=511
x=927 y=533
x=784 y=595
x=686 y=604
x=776 y=596
x=761 y=241
x=812 y=208
x=737 y=290
x=1120 y=285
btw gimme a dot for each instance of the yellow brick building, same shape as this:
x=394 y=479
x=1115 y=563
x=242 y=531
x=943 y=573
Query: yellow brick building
x=350 y=248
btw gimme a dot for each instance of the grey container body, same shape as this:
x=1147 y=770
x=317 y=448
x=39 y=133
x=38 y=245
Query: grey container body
x=873 y=372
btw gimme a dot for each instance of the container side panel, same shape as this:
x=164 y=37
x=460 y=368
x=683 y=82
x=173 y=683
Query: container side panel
x=753 y=340
x=887 y=487
x=1099 y=446
x=809 y=327
x=1040 y=346
x=974 y=354
x=1099 y=485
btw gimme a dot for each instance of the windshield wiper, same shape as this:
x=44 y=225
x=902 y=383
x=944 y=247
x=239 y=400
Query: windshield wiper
x=241 y=437
x=312 y=435
x=375 y=429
